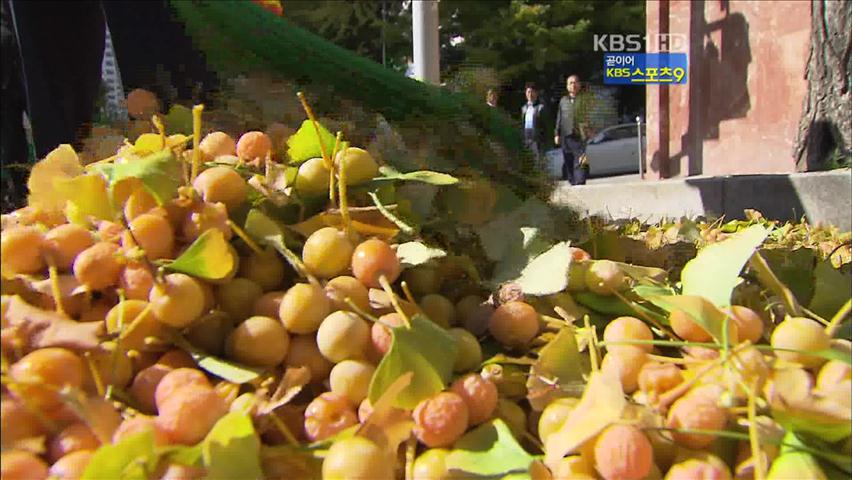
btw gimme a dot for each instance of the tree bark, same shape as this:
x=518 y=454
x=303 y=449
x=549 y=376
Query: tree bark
x=825 y=128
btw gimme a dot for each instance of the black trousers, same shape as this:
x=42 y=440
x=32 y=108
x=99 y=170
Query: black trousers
x=60 y=48
x=572 y=149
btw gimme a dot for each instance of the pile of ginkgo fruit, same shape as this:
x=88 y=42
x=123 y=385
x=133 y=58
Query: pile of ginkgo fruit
x=161 y=336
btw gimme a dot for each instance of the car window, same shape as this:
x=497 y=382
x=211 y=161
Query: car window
x=620 y=133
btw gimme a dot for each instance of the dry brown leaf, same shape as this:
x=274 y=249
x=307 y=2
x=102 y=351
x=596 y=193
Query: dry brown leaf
x=44 y=328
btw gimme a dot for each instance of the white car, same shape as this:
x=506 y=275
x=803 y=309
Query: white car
x=613 y=151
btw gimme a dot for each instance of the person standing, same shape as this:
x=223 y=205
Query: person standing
x=572 y=131
x=531 y=113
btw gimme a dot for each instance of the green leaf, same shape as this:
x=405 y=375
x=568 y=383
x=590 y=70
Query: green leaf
x=702 y=311
x=411 y=254
x=560 y=362
x=488 y=450
x=768 y=278
x=831 y=289
x=645 y=291
x=715 y=271
x=232 y=449
x=794 y=269
x=425 y=349
x=304 y=144
x=795 y=465
x=504 y=237
x=160 y=174
x=610 y=305
x=548 y=272
x=423 y=176
x=225 y=369
x=639 y=273
x=823 y=426
x=129 y=459
x=178 y=120
x=209 y=257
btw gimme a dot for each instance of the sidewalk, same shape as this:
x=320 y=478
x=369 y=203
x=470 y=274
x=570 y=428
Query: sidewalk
x=819 y=196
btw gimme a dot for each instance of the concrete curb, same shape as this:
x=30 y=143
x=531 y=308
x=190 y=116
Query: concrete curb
x=822 y=197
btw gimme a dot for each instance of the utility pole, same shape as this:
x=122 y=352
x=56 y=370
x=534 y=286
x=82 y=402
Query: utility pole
x=427 y=56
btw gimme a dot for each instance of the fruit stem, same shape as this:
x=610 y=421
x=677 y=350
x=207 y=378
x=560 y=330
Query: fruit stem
x=669 y=397
x=313 y=120
x=246 y=238
x=196 y=140
x=355 y=308
x=344 y=203
x=136 y=320
x=331 y=190
x=54 y=285
x=282 y=427
x=407 y=292
x=383 y=280
x=644 y=315
x=838 y=318
x=410 y=451
x=593 y=343
x=161 y=129
x=96 y=375
x=754 y=439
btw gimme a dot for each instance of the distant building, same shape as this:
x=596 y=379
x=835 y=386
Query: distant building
x=740 y=108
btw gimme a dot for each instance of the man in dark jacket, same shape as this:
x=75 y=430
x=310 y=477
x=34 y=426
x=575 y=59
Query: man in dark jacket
x=533 y=122
x=572 y=131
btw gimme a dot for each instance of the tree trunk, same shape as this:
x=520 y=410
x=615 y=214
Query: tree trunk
x=825 y=129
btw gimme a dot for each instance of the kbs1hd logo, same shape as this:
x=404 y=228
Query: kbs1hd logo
x=663 y=62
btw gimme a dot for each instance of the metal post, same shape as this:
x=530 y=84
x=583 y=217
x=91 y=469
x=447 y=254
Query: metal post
x=641 y=156
x=425 y=32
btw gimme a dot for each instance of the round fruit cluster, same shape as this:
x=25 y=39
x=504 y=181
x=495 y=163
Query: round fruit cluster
x=105 y=339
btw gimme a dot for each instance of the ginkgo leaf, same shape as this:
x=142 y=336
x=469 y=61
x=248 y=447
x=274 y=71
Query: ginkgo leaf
x=88 y=193
x=558 y=366
x=60 y=163
x=160 y=173
x=411 y=254
x=425 y=349
x=715 y=271
x=209 y=257
x=602 y=404
x=129 y=459
x=304 y=144
x=232 y=449
x=423 y=176
x=700 y=309
x=488 y=450
x=548 y=272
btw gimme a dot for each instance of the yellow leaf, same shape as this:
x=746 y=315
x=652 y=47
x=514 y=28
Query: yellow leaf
x=602 y=404
x=88 y=193
x=62 y=162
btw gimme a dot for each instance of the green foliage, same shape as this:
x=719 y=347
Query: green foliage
x=411 y=254
x=130 y=459
x=232 y=449
x=160 y=174
x=489 y=450
x=425 y=176
x=715 y=271
x=304 y=144
x=224 y=369
x=425 y=349
x=209 y=257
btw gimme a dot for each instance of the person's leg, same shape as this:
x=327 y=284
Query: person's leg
x=568 y=162
x=13 y=145
x=154 y=52
x=61 y=47
x=579 y=175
